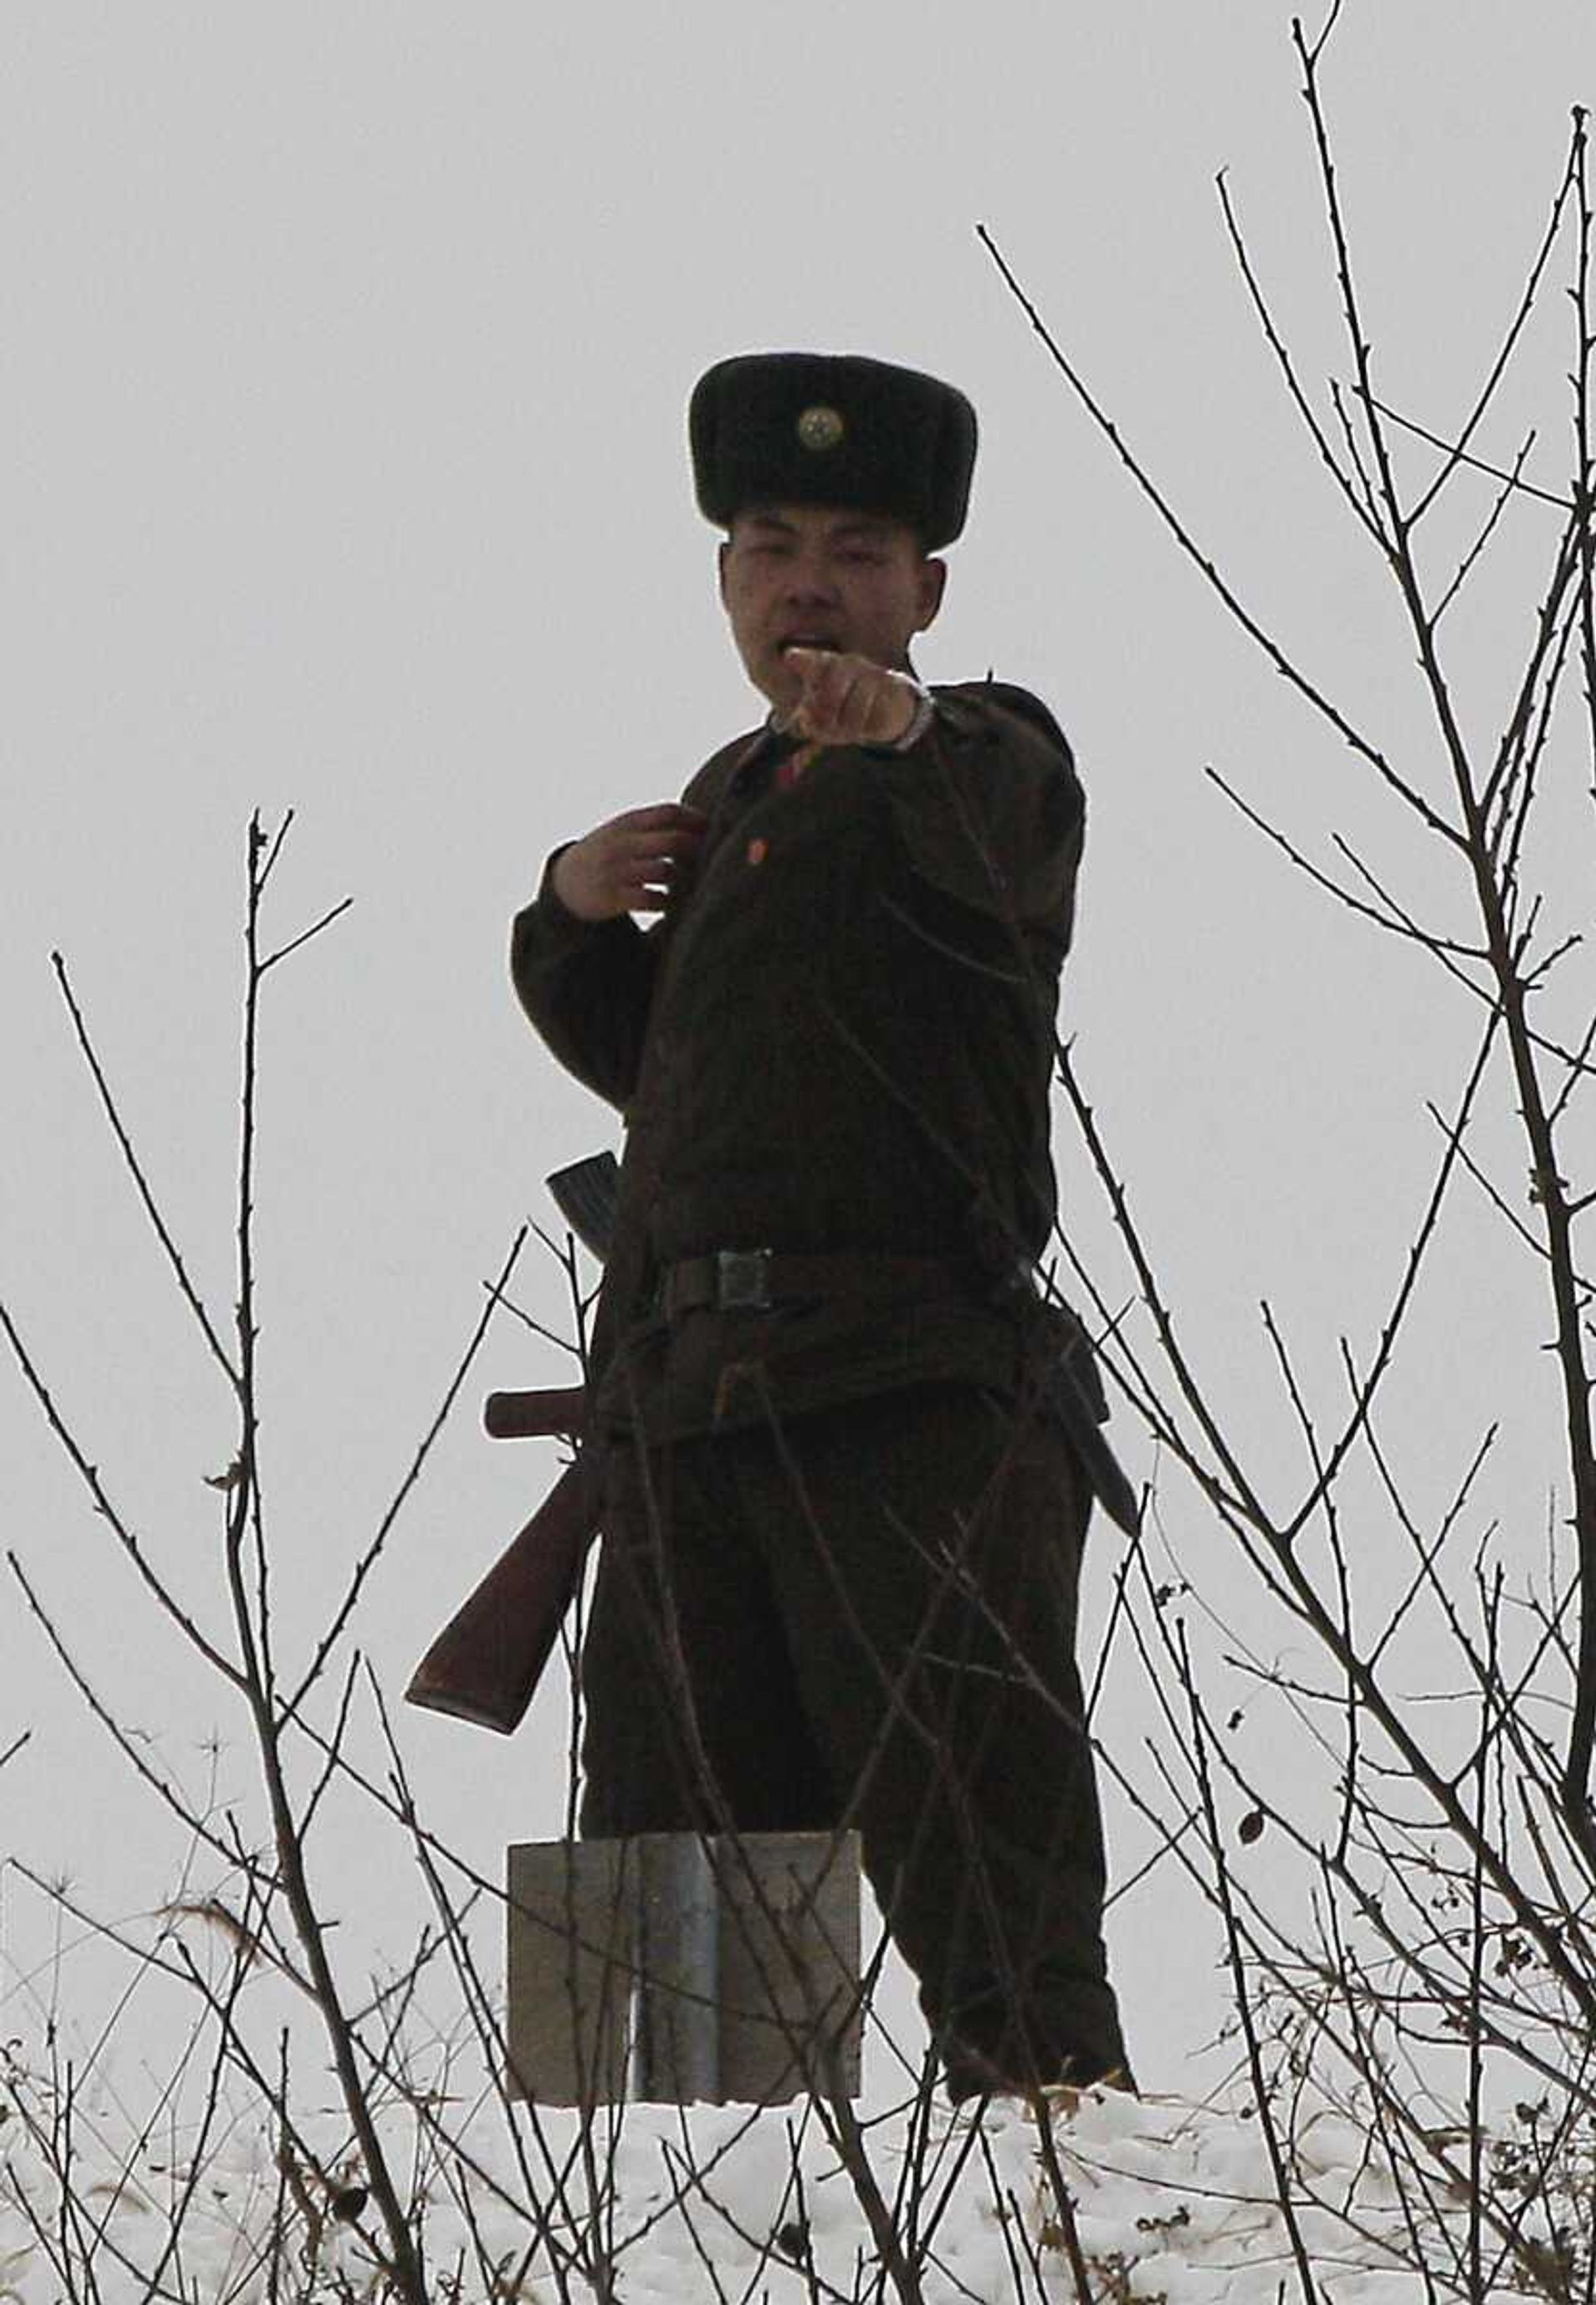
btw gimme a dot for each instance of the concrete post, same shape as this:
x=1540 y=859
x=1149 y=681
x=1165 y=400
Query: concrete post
x=674 y=1968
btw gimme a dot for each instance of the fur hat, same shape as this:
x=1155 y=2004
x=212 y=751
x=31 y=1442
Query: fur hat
x=832 y=429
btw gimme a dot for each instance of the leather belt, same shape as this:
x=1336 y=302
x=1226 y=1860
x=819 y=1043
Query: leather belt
x=755 y=1279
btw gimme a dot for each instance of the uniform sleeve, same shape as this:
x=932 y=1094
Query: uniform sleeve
x=989 y=806
x=587 y=986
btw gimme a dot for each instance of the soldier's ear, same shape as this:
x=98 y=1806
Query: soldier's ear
x=724 y=548
x=933 y=581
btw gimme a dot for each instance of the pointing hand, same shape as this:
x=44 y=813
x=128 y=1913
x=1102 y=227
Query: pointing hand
x=847 y=700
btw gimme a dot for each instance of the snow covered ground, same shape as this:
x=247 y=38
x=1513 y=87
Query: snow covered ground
x=1170 y=2201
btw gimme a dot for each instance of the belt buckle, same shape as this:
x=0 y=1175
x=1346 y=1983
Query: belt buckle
x=742 y=1279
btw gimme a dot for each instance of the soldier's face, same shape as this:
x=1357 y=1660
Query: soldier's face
x=825 y=578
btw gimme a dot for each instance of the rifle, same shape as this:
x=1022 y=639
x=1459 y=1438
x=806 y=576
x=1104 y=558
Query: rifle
x=490 y=1657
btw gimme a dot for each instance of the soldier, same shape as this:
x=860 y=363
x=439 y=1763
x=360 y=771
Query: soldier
x=843 y=1517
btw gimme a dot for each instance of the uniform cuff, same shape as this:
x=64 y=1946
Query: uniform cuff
x=548 y=918
x=925 y=712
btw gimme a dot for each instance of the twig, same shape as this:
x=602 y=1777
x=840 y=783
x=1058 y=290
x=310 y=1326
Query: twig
x=368 y=1560
x=1243 y=2003
x=179 y=1272
x=1283 y=664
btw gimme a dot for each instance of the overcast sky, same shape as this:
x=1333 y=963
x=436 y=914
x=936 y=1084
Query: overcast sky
x=343 y=362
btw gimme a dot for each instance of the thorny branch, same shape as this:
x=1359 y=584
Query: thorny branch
x=1511 y=1896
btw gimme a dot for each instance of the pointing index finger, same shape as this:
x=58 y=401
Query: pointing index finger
x=663 y=814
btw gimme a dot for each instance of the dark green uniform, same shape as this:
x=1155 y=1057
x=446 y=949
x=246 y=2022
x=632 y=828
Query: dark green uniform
x=849 y=1509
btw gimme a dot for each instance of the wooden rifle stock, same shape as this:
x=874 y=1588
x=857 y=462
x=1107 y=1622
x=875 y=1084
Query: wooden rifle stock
x=520 y=1415
x=488 y=1660
x=490 y=1657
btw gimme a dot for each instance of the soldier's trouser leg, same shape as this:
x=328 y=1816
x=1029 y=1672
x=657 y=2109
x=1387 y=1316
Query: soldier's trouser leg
x=895 y=1581
x=925 y=1549
x=692 y=1719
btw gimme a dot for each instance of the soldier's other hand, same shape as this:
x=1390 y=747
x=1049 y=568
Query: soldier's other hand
x=632 y=863
x=847 y=700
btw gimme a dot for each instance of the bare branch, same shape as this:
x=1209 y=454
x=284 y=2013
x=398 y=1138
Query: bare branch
x=305 y=935
x=189 y=1294
x=1394 y=922
x=1283 y=664
x=368 y=1558
x=1458 y=451
x=1514 y=484
x=1365 y=515
x=1471 y=558
x=159 y=1591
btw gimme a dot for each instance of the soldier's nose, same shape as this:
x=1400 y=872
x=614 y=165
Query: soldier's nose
x=806 y=597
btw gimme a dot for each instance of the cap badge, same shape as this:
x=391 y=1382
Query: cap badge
x=820 y=427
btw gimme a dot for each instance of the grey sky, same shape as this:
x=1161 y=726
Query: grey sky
x=346 y=358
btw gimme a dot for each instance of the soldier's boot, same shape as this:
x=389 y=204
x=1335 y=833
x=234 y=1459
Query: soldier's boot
x=1062 y=2100
x=968 y=2073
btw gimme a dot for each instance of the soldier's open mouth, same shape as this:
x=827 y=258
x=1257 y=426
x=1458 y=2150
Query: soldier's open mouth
x=809 y=641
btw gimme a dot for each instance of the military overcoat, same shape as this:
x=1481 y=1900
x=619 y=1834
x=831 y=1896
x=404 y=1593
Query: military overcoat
x=838 y=1039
